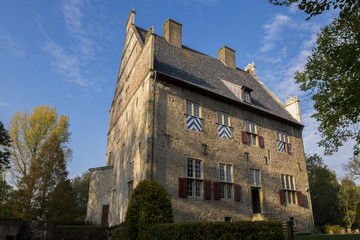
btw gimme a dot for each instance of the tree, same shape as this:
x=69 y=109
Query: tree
x=6 y=198
x=316 y=7
x=39 y=157
x=324 y=189
x=331 y=74
x=353 y=167
x=61 y=205
x=80 y=186
x=149 y=204
x=4 y=152
x=349 y=198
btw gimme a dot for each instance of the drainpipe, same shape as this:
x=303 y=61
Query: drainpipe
x=153 y=129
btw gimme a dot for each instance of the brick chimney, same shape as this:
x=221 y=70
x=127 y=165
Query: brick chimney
x=172 y=32
x=227 y=56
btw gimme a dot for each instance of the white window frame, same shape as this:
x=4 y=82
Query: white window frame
x=255 y=177
x=289 y=188
x=193 y=110
x=194 y=175
x=251 y=132
x=283 y=137
x=224 y=120
x=226 y=179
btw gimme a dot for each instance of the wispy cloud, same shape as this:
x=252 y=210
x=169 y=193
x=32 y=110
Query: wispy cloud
x=74 y=17
x=9 y=45
x=4 y=104
x=65 y=64
x=273 y=30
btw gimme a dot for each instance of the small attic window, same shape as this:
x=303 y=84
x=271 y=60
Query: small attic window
x=246 y=94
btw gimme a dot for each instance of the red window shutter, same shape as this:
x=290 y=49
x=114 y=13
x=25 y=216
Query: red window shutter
x=183 y=187
x=237 y=189
x=244 y=137
x=261 y=141
x=207 y=190
x=281 y=197
x=105 y=214
x=299 y=198
x=217 y=190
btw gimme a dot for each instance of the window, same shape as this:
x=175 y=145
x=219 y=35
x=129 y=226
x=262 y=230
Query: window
x=193 y=121
x=288 y=187
x=251 y=132
x=283 y=142
x=224 y=125
x=254 y=177
x=246 y=96
x=226 y=181
x=194 y=177
x=130 y=187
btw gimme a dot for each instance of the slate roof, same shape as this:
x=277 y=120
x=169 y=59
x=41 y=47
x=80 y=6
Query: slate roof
x=205 y=72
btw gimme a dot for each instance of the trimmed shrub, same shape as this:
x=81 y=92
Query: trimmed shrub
x=215 y=231
x=336 y=229
x=149 y=204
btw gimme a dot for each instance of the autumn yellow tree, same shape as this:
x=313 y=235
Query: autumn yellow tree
x=39 y=155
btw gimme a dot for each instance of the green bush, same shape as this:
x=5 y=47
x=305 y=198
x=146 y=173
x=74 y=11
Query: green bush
x=336 y=229
x=149 y=204
x=214 y=230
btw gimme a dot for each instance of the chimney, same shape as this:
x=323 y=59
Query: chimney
x=131 y=19
x=172 y=32
x=227 y=56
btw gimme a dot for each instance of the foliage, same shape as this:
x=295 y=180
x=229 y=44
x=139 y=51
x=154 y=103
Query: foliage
x=61 y=204
x=215 y=230
x=349 y=198
x=39 y=157
x=353 y=167
x=149 y=204
x=316 y=7
x=332 y=71
x=6 y=199
x=357 y=216
x=324 y=188
x=331 y=76
x=80 y=186
x=335 y=228
x=4 y=152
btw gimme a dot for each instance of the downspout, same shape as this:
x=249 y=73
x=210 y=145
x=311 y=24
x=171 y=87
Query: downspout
x=153 y=129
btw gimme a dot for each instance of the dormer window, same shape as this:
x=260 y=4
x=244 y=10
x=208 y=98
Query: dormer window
x=246 y=94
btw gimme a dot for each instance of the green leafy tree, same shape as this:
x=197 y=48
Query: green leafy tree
x=349 y=198
x=324 y=189
x=61 y=205
x=39 y=156
x=316 y=7
x=331 y=74
x=149 y=204
x=6 y=198
x=353 y=167
x=80 y=186
x=4 y=152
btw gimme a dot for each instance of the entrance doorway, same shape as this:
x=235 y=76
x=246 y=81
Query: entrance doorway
x=255 y=200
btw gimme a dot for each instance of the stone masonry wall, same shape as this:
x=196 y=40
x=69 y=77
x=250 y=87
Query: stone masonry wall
x=99 y=193
x=130 y=130
x=174 y=143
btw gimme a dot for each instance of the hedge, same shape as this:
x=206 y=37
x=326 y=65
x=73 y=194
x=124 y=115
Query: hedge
x=209 y=230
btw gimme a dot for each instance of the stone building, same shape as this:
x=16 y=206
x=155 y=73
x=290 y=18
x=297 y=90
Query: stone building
x=219 y=141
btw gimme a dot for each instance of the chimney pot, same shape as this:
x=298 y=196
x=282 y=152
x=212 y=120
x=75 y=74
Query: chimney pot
x=172 y=32
x=227 y=56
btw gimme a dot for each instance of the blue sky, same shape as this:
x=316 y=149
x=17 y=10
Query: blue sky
x=67 y=54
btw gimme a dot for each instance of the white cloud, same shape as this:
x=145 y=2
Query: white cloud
x=10 y=45
x=65 y=64
x=4 y=104
x=273 y=30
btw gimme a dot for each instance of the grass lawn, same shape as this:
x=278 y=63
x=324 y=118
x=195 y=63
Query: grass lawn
x=327 y=236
